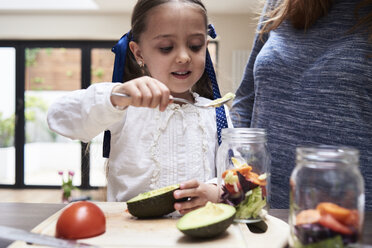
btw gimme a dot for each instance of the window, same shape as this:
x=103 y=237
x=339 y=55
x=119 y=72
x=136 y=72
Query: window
x=34 y=73
x=102 y=68
x=49 y=74
x=7 y=119
x=38 y=73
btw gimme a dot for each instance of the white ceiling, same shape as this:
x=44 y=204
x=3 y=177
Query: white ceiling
x=213 y=6
x=115 y=6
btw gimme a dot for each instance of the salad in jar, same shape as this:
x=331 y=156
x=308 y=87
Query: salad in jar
x=246 y=191
x=328 y=225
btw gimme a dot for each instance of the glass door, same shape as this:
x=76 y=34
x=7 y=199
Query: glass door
x=101 y=71
x=7 y=115
x=49 y=74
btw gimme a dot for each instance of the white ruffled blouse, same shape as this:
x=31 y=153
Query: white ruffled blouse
x=149 y=149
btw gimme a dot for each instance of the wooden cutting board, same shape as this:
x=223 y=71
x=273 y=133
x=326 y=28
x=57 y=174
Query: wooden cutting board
x=123 y=230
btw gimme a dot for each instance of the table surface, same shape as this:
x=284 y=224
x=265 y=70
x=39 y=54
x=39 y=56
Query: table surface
x=28 y=215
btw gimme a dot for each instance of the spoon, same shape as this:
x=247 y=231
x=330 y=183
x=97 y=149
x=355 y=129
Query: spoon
x=213 y=104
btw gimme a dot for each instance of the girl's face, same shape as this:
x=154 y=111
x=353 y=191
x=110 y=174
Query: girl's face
x=173 y=46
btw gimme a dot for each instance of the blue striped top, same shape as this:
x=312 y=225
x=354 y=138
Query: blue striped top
x=312 y=87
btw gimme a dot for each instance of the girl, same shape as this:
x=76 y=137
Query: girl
x=154 y=142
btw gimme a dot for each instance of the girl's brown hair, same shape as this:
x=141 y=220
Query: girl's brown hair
x=138 y=25
x=304 y=13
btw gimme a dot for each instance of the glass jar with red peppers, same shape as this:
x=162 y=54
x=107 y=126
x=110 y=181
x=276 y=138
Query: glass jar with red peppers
x=326 y=198
x=243 y=169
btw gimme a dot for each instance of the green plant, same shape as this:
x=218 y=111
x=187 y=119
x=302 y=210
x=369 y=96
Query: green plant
x=99 y=72
x=38 y=80
x=7 y=125
x=30 y=56
x=67 y=186
x=35 y=102
x=41 y=88
x=6 y=130
x=69 y=73
x=48 y=51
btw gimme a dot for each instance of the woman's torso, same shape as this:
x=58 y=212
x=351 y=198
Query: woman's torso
x=315 y=87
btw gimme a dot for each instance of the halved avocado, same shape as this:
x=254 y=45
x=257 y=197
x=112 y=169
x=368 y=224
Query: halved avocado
x=155 y=203
x=208 y=221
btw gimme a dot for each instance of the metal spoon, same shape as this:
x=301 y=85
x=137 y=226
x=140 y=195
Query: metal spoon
x=213 y=104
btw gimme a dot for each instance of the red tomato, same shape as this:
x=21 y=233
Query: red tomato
x=231 y=188
x=333 y=224
x=81 y=220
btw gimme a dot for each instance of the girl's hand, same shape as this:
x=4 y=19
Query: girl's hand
x=144 y=91
x=199 y=194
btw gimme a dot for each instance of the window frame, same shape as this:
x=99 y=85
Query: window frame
x=19 y=140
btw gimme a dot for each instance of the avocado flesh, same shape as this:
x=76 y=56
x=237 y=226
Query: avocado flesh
x=208 y=221
x=218 y=102
x=152 y=204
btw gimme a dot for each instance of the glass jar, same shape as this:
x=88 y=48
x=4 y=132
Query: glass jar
x=243 y=164
x=326 y=198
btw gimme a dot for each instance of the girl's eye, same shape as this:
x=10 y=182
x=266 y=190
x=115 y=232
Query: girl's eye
x=166 y=49
x=196 y=48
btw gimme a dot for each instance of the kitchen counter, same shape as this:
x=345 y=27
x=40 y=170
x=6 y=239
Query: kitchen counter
x=28 y=215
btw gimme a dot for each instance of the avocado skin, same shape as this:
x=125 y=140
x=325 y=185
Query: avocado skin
x=153 y=207
x=210 y=231
x=182 y=199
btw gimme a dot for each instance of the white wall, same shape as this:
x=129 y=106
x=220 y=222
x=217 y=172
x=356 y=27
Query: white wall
x=63 y=26
x=235 y=32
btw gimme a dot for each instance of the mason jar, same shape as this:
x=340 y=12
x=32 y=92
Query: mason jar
x=243 y=172
x=326 y=198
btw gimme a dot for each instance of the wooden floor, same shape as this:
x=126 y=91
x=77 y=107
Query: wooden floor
x=46 y=195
